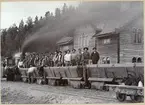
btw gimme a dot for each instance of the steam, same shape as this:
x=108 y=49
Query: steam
x=89 y=13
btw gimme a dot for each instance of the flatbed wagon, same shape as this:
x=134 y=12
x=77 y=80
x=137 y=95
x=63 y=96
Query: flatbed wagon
x=122 y=91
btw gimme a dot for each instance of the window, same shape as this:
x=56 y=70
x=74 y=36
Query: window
x=133 y=59
x=139 y=60
x=136 y=60
x=86 y=41
x=137 y=34
x=106 y=41
x=83 y=40
x=106 y=60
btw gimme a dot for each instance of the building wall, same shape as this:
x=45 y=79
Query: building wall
x=108 y=49
x=128 y=47
x=83 y=37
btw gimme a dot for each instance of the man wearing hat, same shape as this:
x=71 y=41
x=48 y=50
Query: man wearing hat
x=85 y=59
x=86 y=55
x=79 y=57
x=95 y=56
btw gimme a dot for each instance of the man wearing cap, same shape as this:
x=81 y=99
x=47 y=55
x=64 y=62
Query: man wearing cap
x=63 y=55
x=67 y=58
x=55 y=58
x=95 y=56
x=59 y=59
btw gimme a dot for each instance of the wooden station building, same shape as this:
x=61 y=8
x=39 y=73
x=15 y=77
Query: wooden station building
x=119 y=39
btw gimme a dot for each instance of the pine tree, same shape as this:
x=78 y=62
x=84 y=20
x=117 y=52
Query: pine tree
x=36 y=20
x=3 y=42
x=41 y=18
x=47 y=14
x=29 y=23
x=57 y=13
x=64 y=8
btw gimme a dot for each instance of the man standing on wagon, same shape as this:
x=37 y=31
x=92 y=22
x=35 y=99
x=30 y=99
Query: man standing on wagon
x=73 y=57
x=86 y=55
x=95 y=56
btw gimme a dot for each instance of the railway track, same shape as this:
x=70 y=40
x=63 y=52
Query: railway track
x=80 y=95
x=72 y=93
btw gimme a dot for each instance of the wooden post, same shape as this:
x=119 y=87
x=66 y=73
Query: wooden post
x=118 y=48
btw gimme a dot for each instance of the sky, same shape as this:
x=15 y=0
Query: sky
x=14 y=12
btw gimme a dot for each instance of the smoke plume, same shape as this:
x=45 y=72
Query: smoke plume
x=88 y=13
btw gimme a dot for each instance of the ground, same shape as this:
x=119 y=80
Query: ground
x=24 y=93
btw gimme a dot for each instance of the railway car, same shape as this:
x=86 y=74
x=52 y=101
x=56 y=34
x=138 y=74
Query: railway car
x=130 y=74
x=99 y=77
x=96 y=76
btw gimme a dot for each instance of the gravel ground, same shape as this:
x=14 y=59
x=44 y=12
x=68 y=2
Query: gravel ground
x=24 y=93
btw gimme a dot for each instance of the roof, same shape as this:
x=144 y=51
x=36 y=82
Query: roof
x=107 y=34
x=65 y=40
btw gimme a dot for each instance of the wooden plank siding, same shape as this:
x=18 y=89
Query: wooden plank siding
x=128 y=48
x=83 y=37
x=108 y=50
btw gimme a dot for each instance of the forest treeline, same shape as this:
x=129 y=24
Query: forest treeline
x=13 y=37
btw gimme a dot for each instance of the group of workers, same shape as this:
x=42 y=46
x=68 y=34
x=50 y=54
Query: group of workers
x=35 y=61
x=59 y=58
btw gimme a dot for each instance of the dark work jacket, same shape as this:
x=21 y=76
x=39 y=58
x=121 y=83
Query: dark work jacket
x=86 y=57
x=95 y=57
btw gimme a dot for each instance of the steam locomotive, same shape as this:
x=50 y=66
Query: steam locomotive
x=9 y=69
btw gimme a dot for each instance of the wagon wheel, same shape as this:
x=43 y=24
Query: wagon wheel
x=121 y=97
x=57 y=83
x=136 y=98
x=48 y=81
x=89 y=85
x=24 y=79
x=106 y=88
x=81 y=86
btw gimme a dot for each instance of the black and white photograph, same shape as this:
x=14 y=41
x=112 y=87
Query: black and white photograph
x=72 y=52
